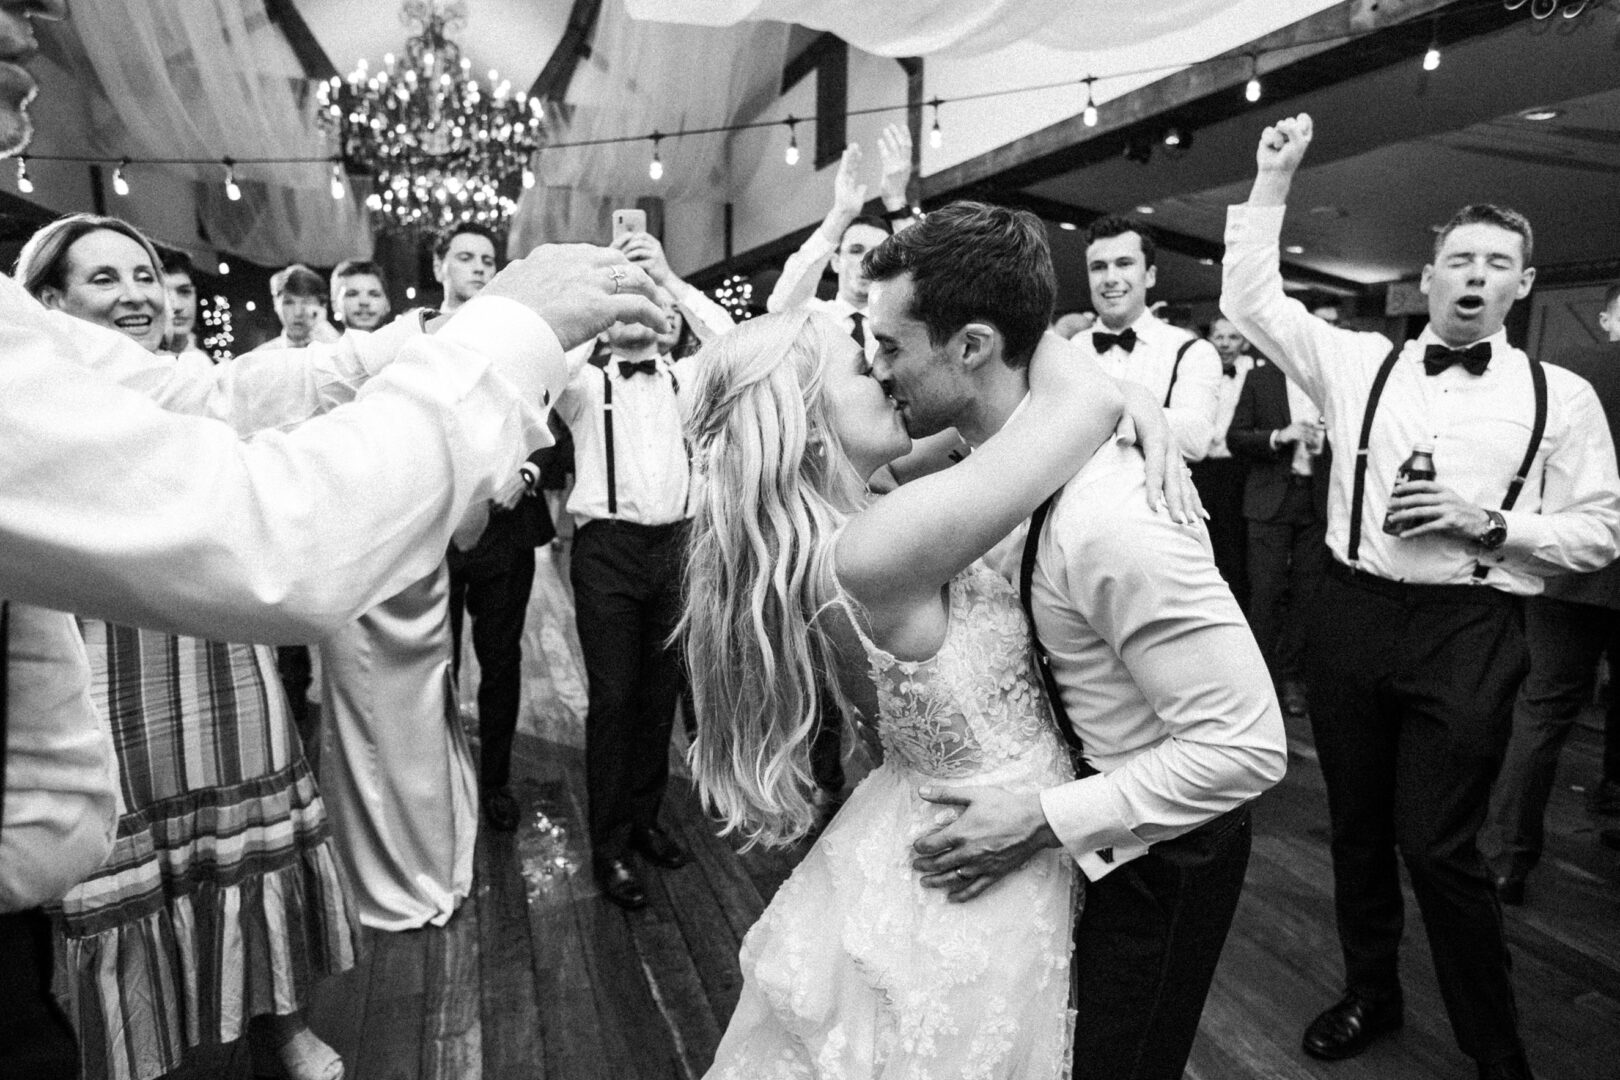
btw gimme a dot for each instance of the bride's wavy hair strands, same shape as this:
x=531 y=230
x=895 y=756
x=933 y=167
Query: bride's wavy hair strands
x=774 y=487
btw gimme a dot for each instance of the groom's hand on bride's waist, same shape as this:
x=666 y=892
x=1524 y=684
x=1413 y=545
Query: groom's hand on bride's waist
x=995 y=832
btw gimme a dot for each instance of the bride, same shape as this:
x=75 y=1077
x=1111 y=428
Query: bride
x=796 y=575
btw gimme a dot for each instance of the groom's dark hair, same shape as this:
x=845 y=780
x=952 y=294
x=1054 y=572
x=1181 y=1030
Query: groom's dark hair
x=971 y=261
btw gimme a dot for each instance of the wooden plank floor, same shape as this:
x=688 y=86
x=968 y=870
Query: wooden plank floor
x=538 y=977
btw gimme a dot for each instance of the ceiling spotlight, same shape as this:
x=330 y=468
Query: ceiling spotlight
x=1295 y=249
x=251 y=306
x=1541 y=114
x=1206 y=261
x=1067 y=226
x=410 y=292
x=224 y=268
x=1144 y=209
x=1431 y=59
x=1177 y=139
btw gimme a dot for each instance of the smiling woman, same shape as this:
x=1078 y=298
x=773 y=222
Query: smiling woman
x=101 y=270
x=222 y=890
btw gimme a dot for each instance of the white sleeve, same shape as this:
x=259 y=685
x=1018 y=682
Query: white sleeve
x=114 y=508
x=800 y=274
x=708 y=318
x=265 y=388
x=1195 y=400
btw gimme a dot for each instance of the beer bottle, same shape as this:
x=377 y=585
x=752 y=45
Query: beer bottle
x=1420 y=466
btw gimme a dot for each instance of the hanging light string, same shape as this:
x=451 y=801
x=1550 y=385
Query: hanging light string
x=1248 y=60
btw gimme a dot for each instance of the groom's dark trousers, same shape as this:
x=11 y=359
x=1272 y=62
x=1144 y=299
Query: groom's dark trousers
x=1145 y=950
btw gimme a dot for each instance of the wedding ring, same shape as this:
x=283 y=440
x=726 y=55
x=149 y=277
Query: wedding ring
x=618 y=277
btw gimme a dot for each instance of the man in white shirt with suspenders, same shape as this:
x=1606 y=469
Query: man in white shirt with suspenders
x=1417 y=649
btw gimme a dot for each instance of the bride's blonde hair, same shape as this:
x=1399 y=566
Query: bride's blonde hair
x=775 y=485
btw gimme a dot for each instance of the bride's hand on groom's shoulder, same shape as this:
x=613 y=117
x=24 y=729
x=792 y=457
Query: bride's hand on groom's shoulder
x=1169 y=482
x=994 y=833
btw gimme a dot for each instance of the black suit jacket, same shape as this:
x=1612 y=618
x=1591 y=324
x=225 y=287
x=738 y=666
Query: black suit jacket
x=1262 y=408
x=1600 y=366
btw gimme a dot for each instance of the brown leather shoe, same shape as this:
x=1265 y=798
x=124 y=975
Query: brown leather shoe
x=1350 y=1026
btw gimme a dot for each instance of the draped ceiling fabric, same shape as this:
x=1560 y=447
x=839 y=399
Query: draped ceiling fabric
x=641 y=78
x=951 y=27
x=209 y=79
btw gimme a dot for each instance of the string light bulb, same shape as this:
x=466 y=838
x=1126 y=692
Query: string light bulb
x=528 y=176
x=1431 y=59
x=233 y=191
x=224 y=268
x=936 y=137
x=655 y=168
x=1251 y=92
x=1090 y=114
x=791 y=154
x=120 y=183
x=24 y=184
x=339 y=190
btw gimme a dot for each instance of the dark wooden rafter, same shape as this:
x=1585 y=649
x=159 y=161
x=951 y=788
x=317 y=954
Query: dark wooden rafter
x=1387 y=32
x=311 y=57
x=553 y=81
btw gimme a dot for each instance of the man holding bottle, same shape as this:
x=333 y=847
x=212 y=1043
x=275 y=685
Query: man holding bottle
x=1417 y=649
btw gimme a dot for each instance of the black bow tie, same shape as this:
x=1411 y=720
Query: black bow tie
x=1125 y=339
x=628 y=368
x=1436 y=358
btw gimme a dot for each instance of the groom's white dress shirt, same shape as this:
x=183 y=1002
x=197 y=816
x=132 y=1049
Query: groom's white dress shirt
x=112 y=507
x=1159 y=672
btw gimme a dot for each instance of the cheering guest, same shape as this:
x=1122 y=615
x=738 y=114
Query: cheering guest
x=1567 y=628
x=1418 y=649
x=222 y=891
x=359 y=297
x=1276 y=429
x=1181 y=371
x=631 y=502
x=846 y=235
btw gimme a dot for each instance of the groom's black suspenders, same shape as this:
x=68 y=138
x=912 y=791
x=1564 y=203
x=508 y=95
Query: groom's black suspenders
x=1026 y=571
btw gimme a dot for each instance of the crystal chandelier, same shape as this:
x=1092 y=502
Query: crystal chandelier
x=442 y=148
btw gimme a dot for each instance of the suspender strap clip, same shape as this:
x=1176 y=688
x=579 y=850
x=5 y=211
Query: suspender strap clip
x=1026 y=574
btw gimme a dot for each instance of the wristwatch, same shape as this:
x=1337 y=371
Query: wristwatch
x=1495 y=534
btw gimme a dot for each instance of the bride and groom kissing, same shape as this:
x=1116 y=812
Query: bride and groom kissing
x=1073 y=713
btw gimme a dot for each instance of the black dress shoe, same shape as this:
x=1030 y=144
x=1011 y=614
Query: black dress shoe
x=1350 y=1027
x=1510 y=889
x=1513 y=1068
x=501 y=810
x=620 y=884
x=656 y=846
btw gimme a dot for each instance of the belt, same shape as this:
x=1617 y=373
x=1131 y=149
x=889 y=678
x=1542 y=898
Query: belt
x=1408 y=592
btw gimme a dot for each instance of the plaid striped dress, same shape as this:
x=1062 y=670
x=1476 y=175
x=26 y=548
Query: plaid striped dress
x=222 y=899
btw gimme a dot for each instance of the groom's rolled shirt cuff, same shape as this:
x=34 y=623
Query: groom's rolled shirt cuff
x=1088 y=817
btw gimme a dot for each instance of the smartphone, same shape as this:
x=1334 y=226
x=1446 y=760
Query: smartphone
x=629 y=221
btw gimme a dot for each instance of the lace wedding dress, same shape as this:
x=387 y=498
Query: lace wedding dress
x=856 y=970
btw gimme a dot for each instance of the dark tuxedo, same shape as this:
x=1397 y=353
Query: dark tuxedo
x=1567 y=629
x=493 y=580
x=1287 y=516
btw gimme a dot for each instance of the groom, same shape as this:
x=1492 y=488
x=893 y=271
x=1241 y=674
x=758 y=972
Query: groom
x=1153 y=671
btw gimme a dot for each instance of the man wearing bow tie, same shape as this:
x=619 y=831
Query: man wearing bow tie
x=1130 y=342
x=1417 y=650
x=631 y=501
